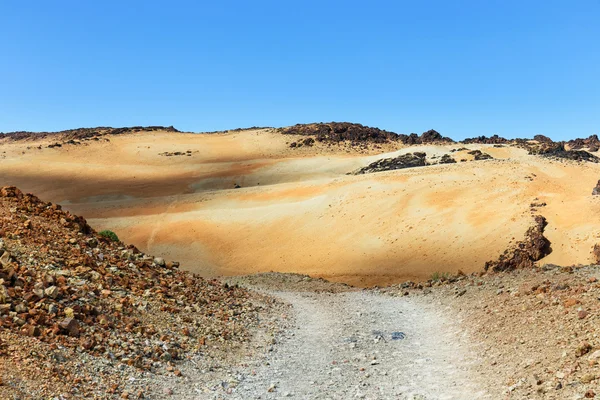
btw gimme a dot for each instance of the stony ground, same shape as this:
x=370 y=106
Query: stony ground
x=342 y=343
x=84 y=316
x=536 y=331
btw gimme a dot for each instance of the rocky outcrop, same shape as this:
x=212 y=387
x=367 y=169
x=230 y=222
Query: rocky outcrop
x=409 y=160
x=534 y=247
x=596 y=189
x=478 y=155
x=592 y=143
x=558 y=151
x=447 y=159
x=85 y=133
x=340 y=131
x=356 y=133
x=432 y=136
x=542 y=139
x=495 y=139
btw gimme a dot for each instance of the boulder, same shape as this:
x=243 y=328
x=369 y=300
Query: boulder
x=596 y=190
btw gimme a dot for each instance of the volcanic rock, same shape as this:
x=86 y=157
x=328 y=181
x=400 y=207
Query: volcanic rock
x=590 y=142
x=533 y=248
x=447 y=159
x=495 y=139
x=409 y=160
x=478 y=155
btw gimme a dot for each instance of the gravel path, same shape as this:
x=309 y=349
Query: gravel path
x=341 y=347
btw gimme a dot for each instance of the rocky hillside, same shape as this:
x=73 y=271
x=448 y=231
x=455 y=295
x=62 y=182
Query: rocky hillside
x=65 y=289
x=356 y=133
x=84 y=133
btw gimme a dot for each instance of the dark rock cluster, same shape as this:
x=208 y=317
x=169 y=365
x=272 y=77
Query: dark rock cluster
x=495 y=139
x=85 y=133
x=534 y=247
x=557 y=150
x=356 y=133
x=409 y=160
x=479 y=155
x=592 y=143
x=447 y=159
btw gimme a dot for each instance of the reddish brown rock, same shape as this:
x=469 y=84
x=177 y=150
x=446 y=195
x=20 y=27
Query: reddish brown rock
x=71 y=326
x=534 y=247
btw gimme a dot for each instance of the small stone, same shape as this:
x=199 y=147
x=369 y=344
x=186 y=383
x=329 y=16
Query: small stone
x=582 y=314
x=69 y=312
x=5 y=259
x=590 y=394
x=583 y=349
x=570 y=302
x=4 y=296
x=177 y=372
x=168 y=391
x=20 y=308
x=587 y=378
x=33 y=330
x=160 y=261
x=51 y=292
x=71 y=326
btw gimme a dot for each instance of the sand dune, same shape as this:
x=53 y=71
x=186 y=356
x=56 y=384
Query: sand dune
x=298 y=211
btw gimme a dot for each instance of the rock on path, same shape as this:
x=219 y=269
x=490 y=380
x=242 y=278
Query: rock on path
x=341 y=347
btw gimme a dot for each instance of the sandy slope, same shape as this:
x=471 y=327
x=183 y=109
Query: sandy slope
x=298 y=211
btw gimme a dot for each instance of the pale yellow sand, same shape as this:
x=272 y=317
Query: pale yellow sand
x=298 y=211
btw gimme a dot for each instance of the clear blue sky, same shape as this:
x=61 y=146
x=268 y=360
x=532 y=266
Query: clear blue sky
x=464 y=68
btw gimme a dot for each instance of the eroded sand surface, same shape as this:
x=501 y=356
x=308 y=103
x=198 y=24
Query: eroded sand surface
x=298 y=211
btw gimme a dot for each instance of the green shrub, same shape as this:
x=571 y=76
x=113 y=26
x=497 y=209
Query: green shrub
x=109 y=234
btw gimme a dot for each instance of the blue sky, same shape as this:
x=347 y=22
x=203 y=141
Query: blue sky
x=464 y=68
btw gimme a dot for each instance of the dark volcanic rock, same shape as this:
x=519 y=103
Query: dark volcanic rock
x=591 y=142
x=486 y=140
x=533 y=248
x=447 y=159
x=356 y=133
x=308 y=141
x=432 y=136
x=543 y=139
x=85 y=133
x=480 y=156
x=557 y=150
x=596 y=190
x=387 y=164
x=340 y=131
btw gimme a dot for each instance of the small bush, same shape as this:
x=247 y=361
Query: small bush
x=109 y=234
x=439 y=276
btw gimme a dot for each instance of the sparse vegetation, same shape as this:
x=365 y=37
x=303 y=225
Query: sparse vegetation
x=109 y=234
x=439 y=276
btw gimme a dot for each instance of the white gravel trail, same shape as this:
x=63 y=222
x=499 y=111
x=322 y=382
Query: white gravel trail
x=341 y=347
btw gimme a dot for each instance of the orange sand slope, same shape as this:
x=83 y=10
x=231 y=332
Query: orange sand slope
x=298 y=211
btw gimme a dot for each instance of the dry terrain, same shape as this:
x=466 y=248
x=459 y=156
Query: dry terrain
x=241 y=202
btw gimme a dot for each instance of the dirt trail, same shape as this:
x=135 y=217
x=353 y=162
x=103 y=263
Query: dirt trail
x=341 y=347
